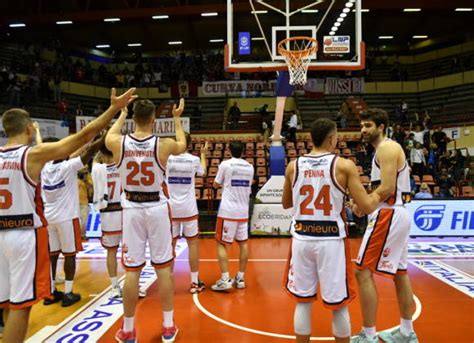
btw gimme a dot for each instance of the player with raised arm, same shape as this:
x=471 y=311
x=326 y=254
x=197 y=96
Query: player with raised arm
x=180 y=178
x=384 y=248
x=25 y=271
x=141 y=161
x=315 y=186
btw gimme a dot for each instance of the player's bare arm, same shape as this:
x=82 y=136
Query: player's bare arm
x=40 y=154
x=168 y=146
x=287 y=199
x=113 y=139
x=86 y=156
x=39 y=138
x=203 y=158
x=388 y=155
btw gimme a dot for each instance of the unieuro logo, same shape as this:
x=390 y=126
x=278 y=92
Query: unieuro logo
x=429 y=217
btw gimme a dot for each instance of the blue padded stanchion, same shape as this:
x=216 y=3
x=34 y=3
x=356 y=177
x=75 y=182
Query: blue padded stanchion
x=277 y=160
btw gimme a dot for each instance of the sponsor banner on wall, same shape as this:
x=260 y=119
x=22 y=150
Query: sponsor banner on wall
x=225 y=87
x=335 y=85
x=272 y=191
x=49 y=128
x=337 y=44
x=164 y=127
x=270 y=219
x=441 y=217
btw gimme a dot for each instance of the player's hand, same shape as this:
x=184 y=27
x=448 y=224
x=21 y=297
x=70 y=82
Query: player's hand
x=204 y=148
x=356 y=211
x=119 y=102
x=36 y=126
x=178 y=111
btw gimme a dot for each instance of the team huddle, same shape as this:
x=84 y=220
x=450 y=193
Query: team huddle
x=144 y=189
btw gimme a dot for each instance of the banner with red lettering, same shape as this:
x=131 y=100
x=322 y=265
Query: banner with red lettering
x=221 y=88
x=164 y=127
x=344 y=86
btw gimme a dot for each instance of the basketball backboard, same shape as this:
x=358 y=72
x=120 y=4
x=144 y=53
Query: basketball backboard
x=255 y=27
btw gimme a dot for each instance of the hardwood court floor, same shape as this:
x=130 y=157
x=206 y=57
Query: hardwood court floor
x=447 y=314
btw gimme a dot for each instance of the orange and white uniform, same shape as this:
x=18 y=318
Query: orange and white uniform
x=236 y=177
x=181 y=171
x=60 y=194
x=384 y=248
x=25 y=271
x=320 y=250
x=146 y=213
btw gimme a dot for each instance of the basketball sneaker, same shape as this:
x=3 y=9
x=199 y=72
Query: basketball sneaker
x=116 y=292
x=396 y=336
x=70 y=299
x=361 y=337
x=197 y=287
x=126 y=337
x=222 y=285
x=141 y=292
x=239 y=283
x=57 y=296
x=169 y=333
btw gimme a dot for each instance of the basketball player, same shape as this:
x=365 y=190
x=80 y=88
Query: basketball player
x=108 y=187
x=141 y=160
x=60 y=194
x=235 y=176
x=25 y=276
x=315 y=186
x=181 y=171
x=384 y=248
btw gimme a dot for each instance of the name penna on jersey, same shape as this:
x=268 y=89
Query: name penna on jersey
x=318 y=228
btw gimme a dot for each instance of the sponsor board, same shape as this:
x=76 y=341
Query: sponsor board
x=337 y=44
x=335 y=85
x=272 y=191
x=441 y=217
x=270 y=219
x=451 y=276
x=164 y=127
x=442 y=249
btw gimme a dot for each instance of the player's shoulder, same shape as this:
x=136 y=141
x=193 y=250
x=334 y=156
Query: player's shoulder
x=389 y=147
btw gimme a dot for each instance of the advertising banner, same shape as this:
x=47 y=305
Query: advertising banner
x=337 y=44
x=344 y=86
x=270 y=219
x=225 y=87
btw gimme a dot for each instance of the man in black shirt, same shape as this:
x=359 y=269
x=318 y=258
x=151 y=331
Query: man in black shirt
x=439 y=137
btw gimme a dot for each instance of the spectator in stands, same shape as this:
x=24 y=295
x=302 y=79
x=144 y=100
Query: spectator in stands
x=14 y=91
x=418 y=134
x=412 y=183
x=98 y=110
x=399 y=134
x=234 y=114
x=432 y=159
x=57 y=88
x=424 y=192
x=446 y=185
x=457 y=161
x=292 y=127
x=440 y=138
x=404 y=110
x=63 y=109
x=417 y=160
x=78 y=111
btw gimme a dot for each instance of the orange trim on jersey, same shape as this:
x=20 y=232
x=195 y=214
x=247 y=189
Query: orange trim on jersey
x=295 y=297
x=77 y=236
x=40 y=205
x=157 y=156
x=350 y=281
x=111 y=233
x=42 y=281
x=376 y=242
x=24 y=170
x=192 y=238
x=402 y=272
x=164 y=187
x=186 y=219
x=122 y=152
x=235 y=220
x=296 y=172
x=219 y=230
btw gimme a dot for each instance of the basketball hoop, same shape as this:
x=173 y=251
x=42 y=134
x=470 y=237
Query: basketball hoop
x=298 y=52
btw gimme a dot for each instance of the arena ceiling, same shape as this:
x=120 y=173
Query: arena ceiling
x=437 y=19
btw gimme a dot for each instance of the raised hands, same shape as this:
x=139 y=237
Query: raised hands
x=119 y=102
x=178 y=111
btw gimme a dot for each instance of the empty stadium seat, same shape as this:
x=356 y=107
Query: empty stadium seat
x=260 y=153
x=197 y=191
x=261 y=162
x=207 y=194
x=429 y=180
x=417 y=180
x=215 y=162
x=261 y=171
x=250 y=160
x=466 y=191
x=199 y=182
x=262 y=180
x=212 y=171
x=219 y=193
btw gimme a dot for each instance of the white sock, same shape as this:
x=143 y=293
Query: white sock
x=406 y=326
x=54 y=284
x=168 y=318
x=225 y=276
x=370 y=332
x=302 y=318
x=114 y=281
x=240 y=275
x=68 y=286
x=195 y=277
x=128 y=324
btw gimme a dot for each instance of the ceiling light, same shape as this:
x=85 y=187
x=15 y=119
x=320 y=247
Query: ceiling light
x=175 y=42
x=17 y=25
x=420 y=37
x=464 y=9
x=259 y=12
x=365 y=10
x=349 y=4
x=346 y=10
x=111 y=20
x=161 y=16
x=340 y=20
x=337 y=24
x=134 y=44
x=343 y=15
x=411 y=9
x=309 y=11
x=102 y=46
x=209 y=14
x=64 y=22
x=216 y=40
x=332 y=33
x=258 y=38
x=385 y=37
x=334 y=28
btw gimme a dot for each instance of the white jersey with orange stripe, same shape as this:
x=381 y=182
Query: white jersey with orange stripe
x=181 y=171
x=141 y=172
x=114 y=189
x=21 y=206
x=60 y=190
x=402 y=185
x=318 y=200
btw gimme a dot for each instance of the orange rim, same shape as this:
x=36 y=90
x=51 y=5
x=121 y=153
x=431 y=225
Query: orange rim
x=297 y=54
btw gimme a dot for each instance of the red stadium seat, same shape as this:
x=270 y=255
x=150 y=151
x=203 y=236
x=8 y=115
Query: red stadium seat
x=212 y=171
x=219 y=194
x=342 y=145
x=429 y=180
x=219 y=146
x=217 y=153
x=260 y=153
x=466 y=191
x=250 y=146
x=197 y=191
x=199 y=182
x=261 y=162
x=250 y=160
x=291 y=153
x=261 y=171
x=260 y=146
x=302 y=152
x=300 y=145
x=207 y=194
x=227 y=154
x=262 y=180
x=417 y=180
x=347 y=152
x=290 y=145
x=215 y=162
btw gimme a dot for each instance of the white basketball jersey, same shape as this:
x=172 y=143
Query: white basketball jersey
x=318 y=200
x=21 y=206
x=141 y=173
x=402 y=190
x=236 y=177
x=60 y=190
x=180 y=175
x=114 y=189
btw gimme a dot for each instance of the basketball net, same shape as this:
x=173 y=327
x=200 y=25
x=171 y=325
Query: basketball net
x=298 y=52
